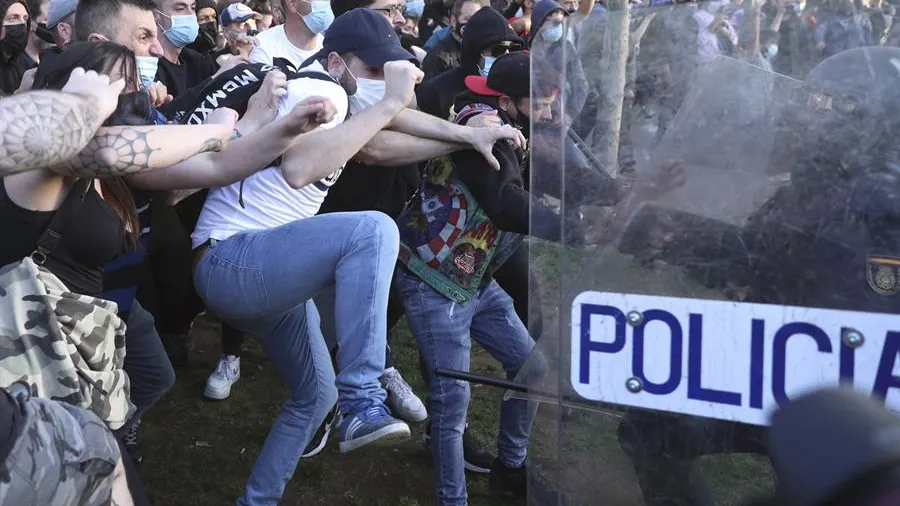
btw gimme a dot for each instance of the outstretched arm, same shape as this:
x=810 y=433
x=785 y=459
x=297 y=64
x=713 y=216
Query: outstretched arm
x=244 y=155
x=414 y=136
x=124 y=150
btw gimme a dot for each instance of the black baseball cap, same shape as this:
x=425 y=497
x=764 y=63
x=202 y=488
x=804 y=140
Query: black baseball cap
x=368 y=35
x=510 y=75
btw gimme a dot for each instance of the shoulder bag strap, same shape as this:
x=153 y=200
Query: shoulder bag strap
x=50 y=238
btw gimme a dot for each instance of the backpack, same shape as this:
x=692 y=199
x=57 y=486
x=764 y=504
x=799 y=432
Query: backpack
x=232 y=88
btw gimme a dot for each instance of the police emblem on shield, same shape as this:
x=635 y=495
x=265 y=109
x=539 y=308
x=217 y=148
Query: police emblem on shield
x=883 y=274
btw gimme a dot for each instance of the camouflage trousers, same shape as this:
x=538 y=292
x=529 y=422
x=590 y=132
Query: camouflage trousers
x=63 y=456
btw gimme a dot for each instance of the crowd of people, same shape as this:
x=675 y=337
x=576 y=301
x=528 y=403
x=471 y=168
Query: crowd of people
x=309 y=172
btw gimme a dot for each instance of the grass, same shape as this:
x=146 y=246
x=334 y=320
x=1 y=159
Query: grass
x=199 y=452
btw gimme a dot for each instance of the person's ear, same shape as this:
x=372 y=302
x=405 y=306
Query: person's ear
x=505 y=103
x=64 y=31
x=96 y=37
x=335 y=65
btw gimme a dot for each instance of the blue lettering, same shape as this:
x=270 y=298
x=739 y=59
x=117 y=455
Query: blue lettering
x=779 y=353
x=695 y=368
x=588 y=346
x=757 y=362
x=674 y=357
x=885 y=378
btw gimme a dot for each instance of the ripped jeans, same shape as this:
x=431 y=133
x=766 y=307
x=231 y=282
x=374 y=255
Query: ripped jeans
x=444 y=331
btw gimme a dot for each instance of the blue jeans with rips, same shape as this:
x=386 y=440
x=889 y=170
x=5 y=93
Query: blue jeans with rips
x=444 y=331
x=262 y=282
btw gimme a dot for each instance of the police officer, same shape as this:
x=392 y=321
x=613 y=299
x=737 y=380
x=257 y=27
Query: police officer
x=828 y=239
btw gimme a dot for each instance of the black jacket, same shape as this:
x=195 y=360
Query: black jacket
x=486 y=28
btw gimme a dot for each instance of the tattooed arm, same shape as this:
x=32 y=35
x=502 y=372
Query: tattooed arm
x=42 y=128
x=124 y=150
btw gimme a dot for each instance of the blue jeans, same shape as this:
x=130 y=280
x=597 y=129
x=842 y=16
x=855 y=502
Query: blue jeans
x=263 y=282
x=444 y=331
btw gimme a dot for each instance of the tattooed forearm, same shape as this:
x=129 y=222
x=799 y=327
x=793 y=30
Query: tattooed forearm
x=114 y=151
x=42 y=128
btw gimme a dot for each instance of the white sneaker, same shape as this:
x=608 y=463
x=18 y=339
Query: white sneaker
x=403 y=402
x=228 y=371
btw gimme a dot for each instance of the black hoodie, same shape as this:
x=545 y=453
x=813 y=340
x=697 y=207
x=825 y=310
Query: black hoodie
x=486 y=28
x=502 y=193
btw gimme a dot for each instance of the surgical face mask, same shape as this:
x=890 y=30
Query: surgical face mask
x=184 y=29
x=320 y=16
x=415 y=8
x=368 y=91
x=146 y=66
x=798 y=8
x=771 y=51
x=553 y=33
x=351 y=89
x=15 y=40
x=487 y=63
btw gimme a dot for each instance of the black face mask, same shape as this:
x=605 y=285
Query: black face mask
x=15 y=40
x=252 y=33
x=459 y=29
x=522 y=122
x=134 y=109
x=44 y=33
x=207 y=38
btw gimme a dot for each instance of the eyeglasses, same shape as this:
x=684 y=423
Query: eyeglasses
x=392 y=11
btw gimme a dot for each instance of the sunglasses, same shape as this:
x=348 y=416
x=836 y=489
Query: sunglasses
x=501 y=49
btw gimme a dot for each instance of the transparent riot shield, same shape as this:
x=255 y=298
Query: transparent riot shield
x=696 y=284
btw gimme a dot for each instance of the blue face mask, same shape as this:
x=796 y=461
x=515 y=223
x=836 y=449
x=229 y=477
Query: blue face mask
x=146 y=66
x=771 y=51
x=415 y=8
x=320 y=16
x=184 y=29
x=486 y=67
x=553 y=34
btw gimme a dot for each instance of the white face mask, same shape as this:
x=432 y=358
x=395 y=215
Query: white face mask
x=368 y=91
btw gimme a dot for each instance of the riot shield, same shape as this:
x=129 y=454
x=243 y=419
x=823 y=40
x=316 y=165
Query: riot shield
x=694 y=287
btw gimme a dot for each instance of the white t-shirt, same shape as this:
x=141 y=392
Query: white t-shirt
x=273 y=43
x=269 y=201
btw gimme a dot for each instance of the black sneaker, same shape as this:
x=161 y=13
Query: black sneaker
x=179 y=348
x=322 y=433
x=132 y=440
x=477 y=458
x=509 y=480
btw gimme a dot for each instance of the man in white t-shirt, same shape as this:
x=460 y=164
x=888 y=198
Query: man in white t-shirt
x=299 y=37
x=263 y=254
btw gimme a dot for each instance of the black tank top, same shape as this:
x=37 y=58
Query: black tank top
x=90 y=239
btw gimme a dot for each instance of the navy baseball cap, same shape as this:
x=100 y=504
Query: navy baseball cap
x=368 y=35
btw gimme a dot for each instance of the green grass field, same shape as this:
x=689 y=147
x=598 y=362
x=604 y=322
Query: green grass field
x=199 y=452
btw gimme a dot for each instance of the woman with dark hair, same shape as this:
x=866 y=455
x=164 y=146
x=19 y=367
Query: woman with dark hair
x=105 y=222
x=14 y=32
